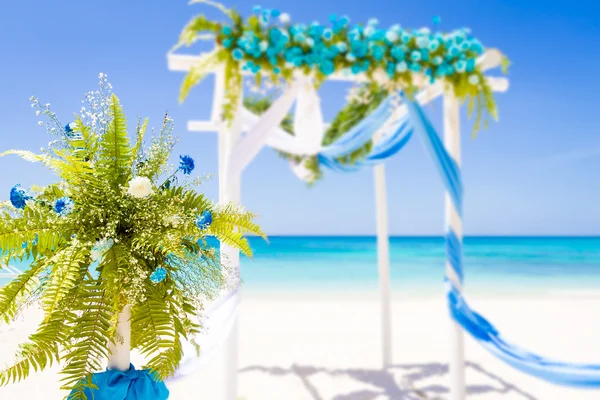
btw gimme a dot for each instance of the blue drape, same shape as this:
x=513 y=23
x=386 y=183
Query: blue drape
x=126 y=385
x=561 y=373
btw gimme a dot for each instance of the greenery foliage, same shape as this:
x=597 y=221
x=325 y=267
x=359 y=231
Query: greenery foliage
x=97 y=240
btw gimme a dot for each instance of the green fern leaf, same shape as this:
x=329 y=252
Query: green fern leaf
x=115 y=154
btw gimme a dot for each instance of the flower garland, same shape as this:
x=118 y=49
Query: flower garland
x=119 y=229
x=268 y=44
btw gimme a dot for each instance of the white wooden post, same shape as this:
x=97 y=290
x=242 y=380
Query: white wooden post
x=454 y=222
x=120 y=352
x=229 y=192
x=383 y=259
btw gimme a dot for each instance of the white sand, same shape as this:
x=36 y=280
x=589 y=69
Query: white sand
x=307 y=346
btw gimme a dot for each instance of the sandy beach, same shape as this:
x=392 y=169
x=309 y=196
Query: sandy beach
x=315 y=346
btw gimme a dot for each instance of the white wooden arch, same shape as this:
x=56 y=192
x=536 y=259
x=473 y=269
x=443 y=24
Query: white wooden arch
x=233 y=146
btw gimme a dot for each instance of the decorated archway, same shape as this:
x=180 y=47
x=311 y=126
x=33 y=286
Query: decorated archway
x=399 y=70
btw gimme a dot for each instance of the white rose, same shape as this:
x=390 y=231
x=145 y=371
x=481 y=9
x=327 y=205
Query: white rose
x=140 y=187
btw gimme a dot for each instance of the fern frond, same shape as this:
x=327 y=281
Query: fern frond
x=140 y=132
x=115 y=153
x=189 y=34
x=198 y=72
x=65 y=275
x=17 y=289
x=34 y=224
x=88 y=348
x=89 y=140
x=156 y=333
x=41 y=351
x=27 y=155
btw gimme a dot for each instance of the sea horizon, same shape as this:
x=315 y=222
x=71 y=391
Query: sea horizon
x=506 y=265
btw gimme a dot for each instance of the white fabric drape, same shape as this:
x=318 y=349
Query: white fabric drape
x=249 y=146
x=309 y=127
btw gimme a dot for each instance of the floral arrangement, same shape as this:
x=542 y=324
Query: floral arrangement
x=121 y=228
x=268 y=44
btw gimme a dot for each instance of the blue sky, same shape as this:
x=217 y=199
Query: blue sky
x=534 y=172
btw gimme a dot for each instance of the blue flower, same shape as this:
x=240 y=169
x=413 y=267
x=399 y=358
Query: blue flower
x=379 y=35
x=227 y=43
x=377 y=52
x=18 y=196
x=433 y=45
x=476 y=47
x=158 y=275
x=415 y=67
x=277 y=70
x=398 y=53
x=415 y=55
x=186 y=164
x=327 y=34
x=226 y=30
x=275 y=13
x=460 y=66
x=69 y=128
x=437 y=60
x=63 y=206
x=390 y=68
x=238 y=54
x=327 y=67
x=203 y=221
x=470 y=64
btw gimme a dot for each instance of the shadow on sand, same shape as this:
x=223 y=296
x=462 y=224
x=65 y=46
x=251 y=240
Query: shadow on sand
x=386 y=383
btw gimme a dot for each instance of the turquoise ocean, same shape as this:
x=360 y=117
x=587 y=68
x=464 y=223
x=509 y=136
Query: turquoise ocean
x=499 y=265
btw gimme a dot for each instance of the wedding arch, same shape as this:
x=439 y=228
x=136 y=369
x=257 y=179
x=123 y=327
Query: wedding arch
x=259 y=47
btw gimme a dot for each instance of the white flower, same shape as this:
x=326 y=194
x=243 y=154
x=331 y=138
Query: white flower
x=175 y=220
x=285 y=18
x=380 y=76
x=140 y=187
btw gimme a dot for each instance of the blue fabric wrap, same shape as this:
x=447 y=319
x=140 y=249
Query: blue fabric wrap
x=361 y=133
x=126 y=385
x=556 y=372
x=384 y=149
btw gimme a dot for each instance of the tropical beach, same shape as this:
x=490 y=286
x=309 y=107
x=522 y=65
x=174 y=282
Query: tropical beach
x=328 y=348
x=317 y=201
x=310 y=327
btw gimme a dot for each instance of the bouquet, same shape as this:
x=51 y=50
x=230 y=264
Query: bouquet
x=121 y=228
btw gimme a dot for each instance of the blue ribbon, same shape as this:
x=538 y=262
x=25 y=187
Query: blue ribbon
x=560 y=373
x=127 y=385
x=566 y=374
